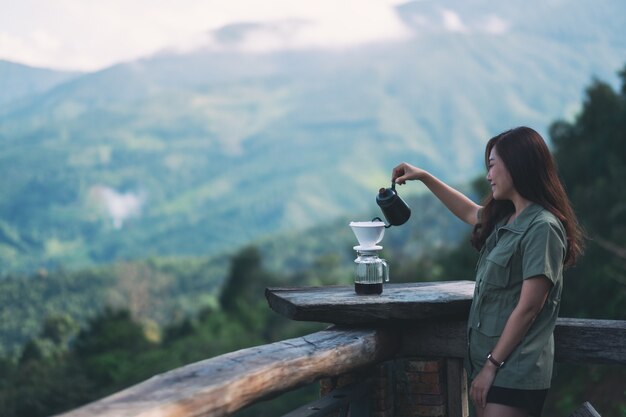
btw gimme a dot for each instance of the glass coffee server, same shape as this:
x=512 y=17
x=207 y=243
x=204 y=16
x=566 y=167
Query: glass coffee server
x=370 y=270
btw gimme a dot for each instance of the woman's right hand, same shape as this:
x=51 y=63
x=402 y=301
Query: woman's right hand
x=459 y=204
x=406 y=172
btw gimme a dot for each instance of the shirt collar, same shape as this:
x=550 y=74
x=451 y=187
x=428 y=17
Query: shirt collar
x=521 y=222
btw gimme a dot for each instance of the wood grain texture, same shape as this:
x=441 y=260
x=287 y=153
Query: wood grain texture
x=590 y=341
x=439 y=339
x=585 y=410
x=575 y=340
x=398 y=302
x=227 y=383
x=457 y=395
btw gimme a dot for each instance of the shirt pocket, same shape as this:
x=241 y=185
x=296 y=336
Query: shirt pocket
x=498 y=268
x=491 y=321
x=495 y=305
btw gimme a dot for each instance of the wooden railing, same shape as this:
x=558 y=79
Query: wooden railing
x=408 y=321
x=227 y=383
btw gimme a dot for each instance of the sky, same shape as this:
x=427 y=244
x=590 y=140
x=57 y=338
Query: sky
x=88 y=35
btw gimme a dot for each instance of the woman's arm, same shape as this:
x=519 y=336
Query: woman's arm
x=458 y=203
x=532 y=298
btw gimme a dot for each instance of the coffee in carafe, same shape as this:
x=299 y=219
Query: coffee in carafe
x=370 y=272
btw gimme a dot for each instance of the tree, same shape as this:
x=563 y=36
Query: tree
x=591 y=154
x=59 y=328
x=246 y=280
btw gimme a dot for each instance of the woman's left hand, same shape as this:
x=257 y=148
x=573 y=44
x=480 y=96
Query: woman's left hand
x=481 y=385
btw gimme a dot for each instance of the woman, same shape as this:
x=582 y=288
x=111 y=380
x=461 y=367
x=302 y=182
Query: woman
x=526 y=233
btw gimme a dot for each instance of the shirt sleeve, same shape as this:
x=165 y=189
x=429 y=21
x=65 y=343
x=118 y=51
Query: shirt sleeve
x=543 y=251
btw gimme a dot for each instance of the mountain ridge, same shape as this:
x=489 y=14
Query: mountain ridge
x=18 y=81
x=187 y=154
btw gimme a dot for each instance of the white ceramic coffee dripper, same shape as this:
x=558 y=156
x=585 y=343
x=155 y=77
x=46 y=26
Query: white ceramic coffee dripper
x=369 y=234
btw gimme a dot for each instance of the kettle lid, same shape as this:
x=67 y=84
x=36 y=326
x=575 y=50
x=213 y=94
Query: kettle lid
x=386 y=195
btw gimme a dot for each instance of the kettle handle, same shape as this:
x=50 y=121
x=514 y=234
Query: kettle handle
x=387 y=226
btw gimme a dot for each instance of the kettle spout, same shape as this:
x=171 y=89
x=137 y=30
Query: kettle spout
x=378 y=219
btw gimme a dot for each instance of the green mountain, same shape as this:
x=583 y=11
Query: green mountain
x=197 y=153
x=19 y=82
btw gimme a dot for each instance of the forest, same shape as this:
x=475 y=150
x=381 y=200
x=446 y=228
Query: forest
x=68 y=361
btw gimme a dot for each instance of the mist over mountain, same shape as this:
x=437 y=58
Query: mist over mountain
x=187 y=153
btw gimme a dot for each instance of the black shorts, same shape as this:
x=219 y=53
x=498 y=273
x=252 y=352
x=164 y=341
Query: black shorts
x=530 y=400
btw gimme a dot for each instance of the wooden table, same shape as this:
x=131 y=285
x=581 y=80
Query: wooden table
x=398 y=302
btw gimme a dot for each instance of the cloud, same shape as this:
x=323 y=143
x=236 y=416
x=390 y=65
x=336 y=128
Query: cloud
x=495 y=25
x=37 y=47
x=452 y=21
x=329 y=25
x=437 y=19
x=257 y=36
x=91 y=34
x=119 y=206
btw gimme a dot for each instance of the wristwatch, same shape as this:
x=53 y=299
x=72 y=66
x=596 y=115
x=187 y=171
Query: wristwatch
x=494 y=361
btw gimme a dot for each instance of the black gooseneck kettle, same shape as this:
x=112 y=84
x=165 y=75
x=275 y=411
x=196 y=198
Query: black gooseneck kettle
x=394 y=208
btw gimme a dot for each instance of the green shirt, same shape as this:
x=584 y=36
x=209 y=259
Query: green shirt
x=534 y=244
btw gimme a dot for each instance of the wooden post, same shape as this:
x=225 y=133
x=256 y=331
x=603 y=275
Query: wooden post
x=456 y=381
x=380 y=402
x=420 y=387
x=428 y=375
x=431 y=387
x=383 y=396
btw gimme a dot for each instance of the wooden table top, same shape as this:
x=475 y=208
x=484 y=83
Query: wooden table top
x=401 y=302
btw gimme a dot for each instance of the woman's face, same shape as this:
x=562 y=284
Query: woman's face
x=499 y=177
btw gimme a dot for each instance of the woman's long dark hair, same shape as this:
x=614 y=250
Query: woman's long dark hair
x=533 y=171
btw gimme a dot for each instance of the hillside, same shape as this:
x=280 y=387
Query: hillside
x=20 y=82
x=165 y=290
x=197 y=153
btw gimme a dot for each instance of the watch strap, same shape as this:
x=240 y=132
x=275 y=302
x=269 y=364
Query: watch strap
x=493 y=360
